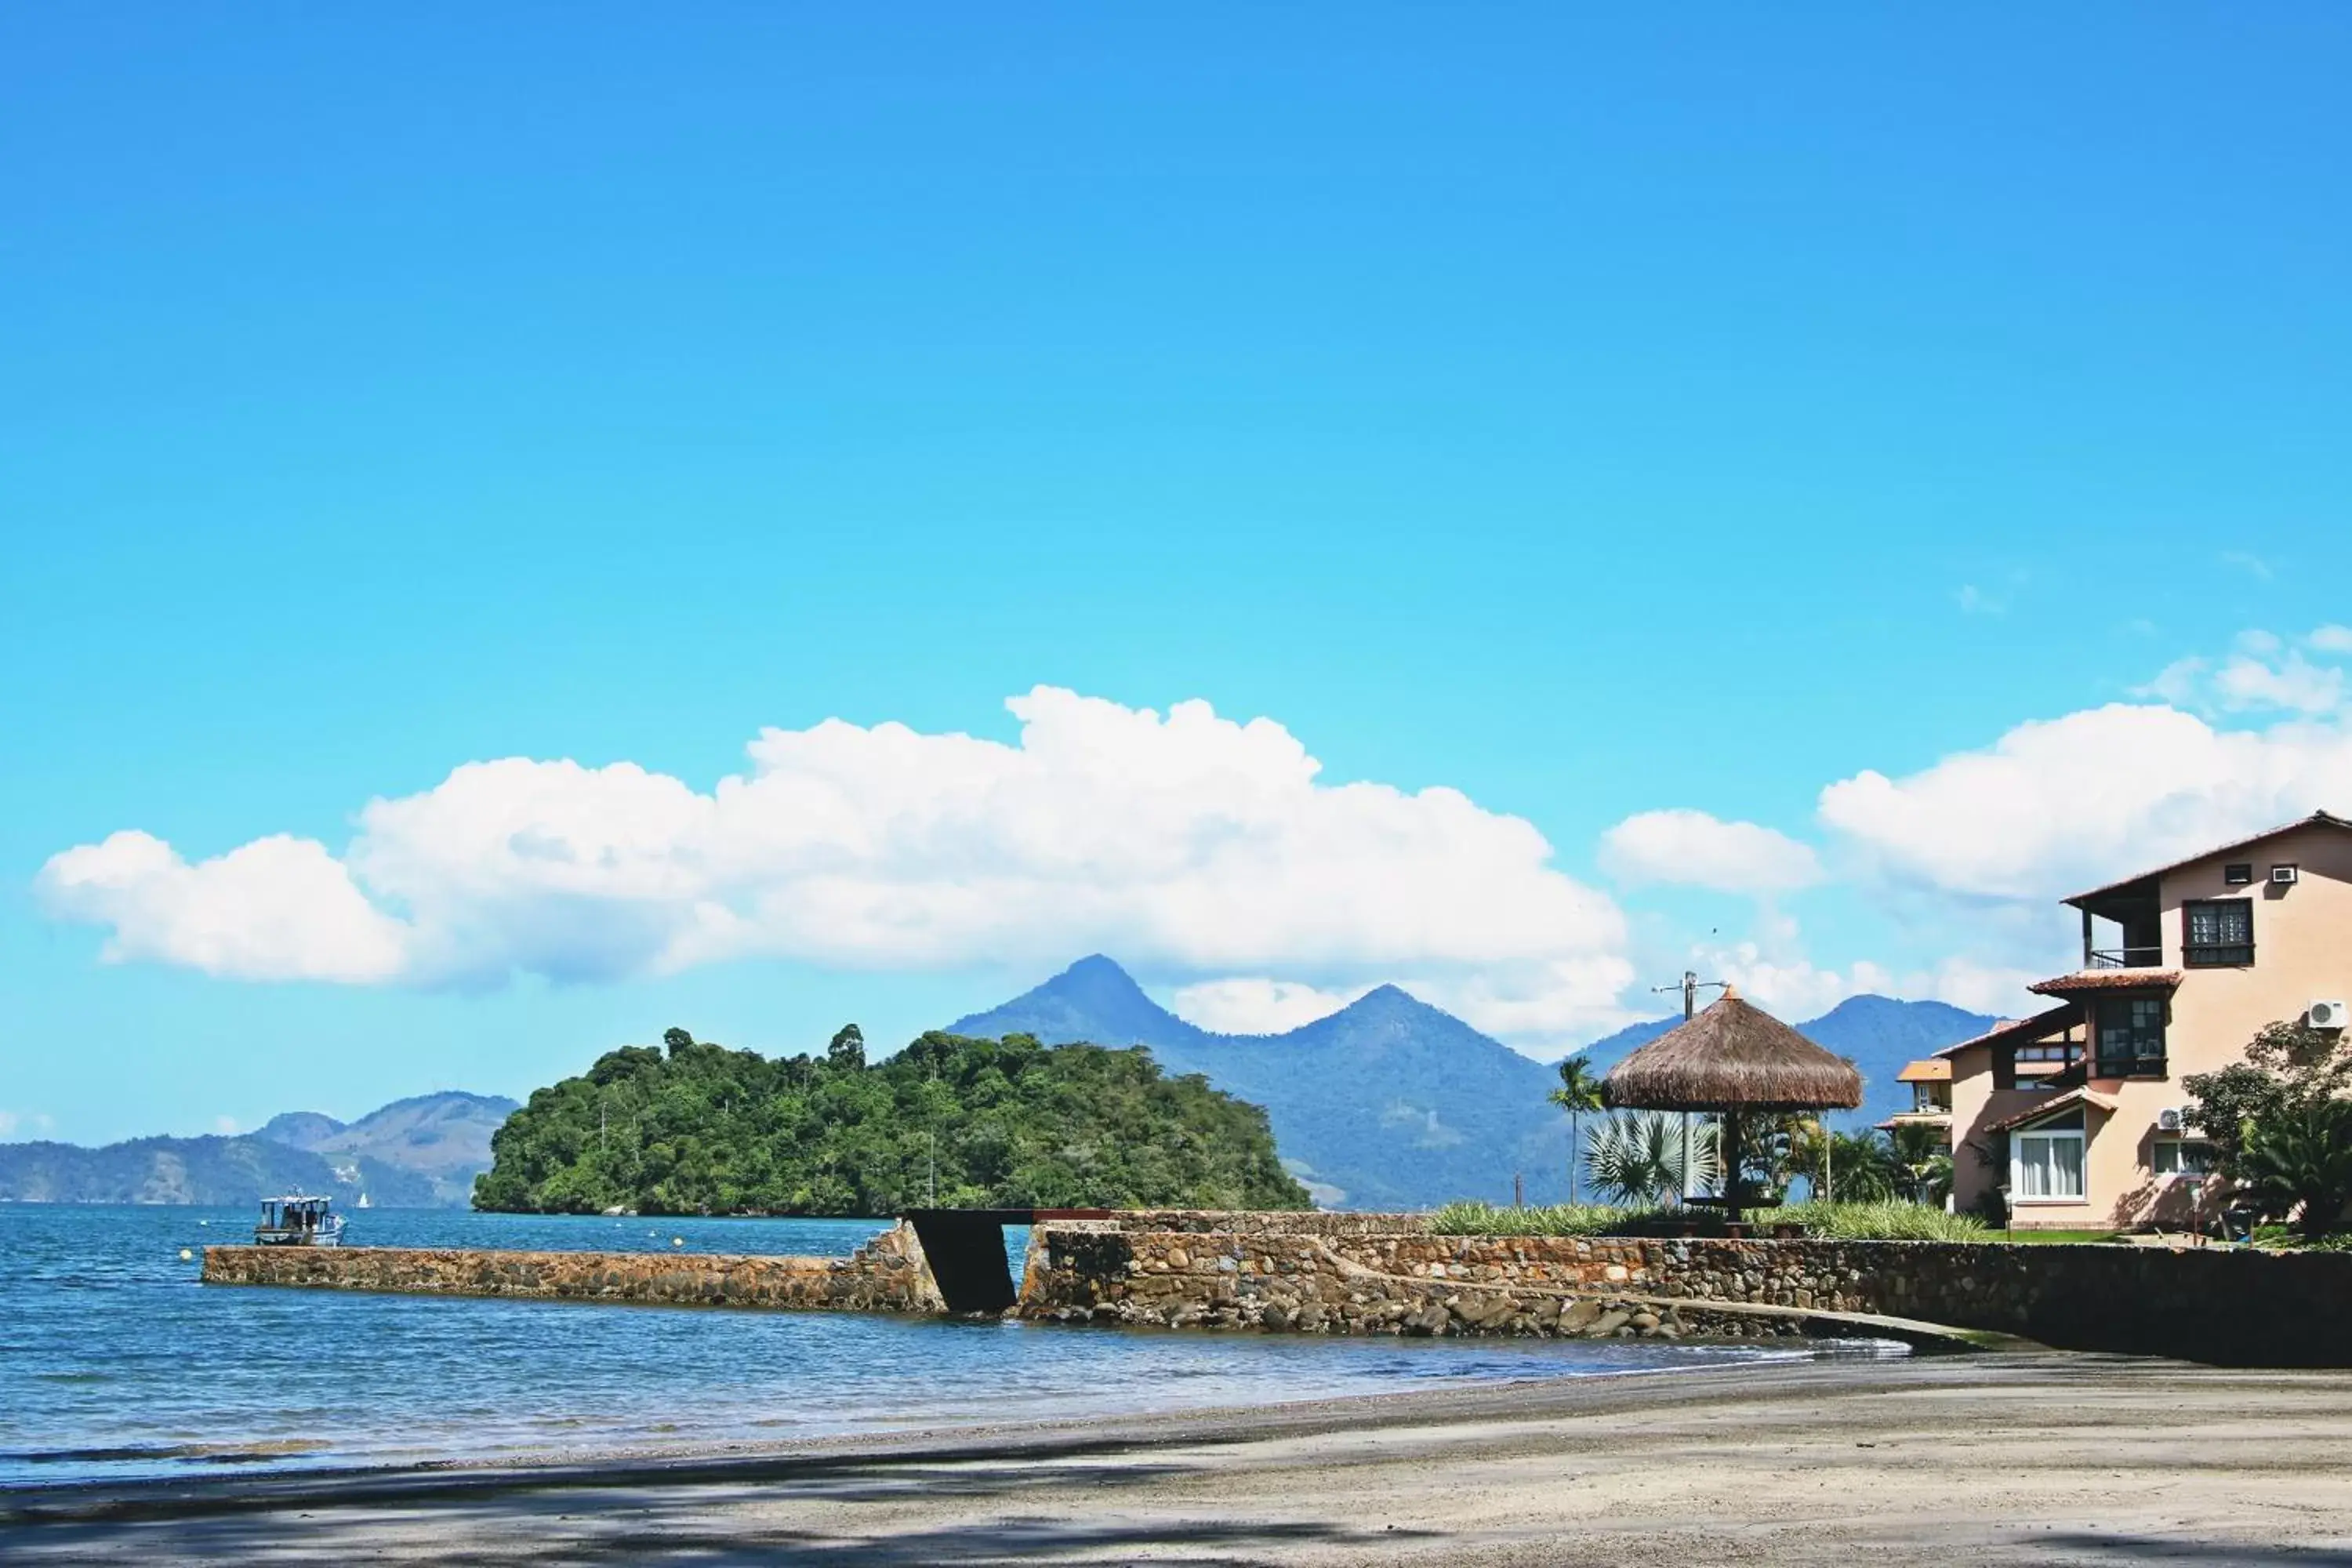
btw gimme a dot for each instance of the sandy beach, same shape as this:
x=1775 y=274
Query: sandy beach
x=2009 y=1458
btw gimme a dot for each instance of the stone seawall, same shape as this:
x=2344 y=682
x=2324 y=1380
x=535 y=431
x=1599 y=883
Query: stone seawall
x=886 y=1275
x=2236 y=1307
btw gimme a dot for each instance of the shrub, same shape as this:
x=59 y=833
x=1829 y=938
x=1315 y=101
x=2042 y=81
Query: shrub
x=1887 y=1220
x=1891 y=1220
x=1560 y=1219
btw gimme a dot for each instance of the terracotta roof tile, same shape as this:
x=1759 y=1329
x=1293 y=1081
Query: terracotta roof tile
x=2107 y=980
x=2056 y=1102
x=2020 y=1031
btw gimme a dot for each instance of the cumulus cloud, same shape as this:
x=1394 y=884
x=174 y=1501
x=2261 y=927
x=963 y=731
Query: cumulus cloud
x=277 y=909
x=1257 y=1007
x=1774 y=976
x=1185 y=842
x=2263 y=674
x=2294 y=683
x=1692 y=848
x=2054 y=806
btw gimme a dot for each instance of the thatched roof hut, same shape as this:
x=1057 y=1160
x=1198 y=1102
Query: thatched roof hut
x=1737 y=1059
x=1733 y=1057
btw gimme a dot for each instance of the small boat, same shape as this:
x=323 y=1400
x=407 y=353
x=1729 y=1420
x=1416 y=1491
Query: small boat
x=297 y=1221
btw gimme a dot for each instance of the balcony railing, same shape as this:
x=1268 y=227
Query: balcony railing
x=2128 y=1067
x=2125 y=957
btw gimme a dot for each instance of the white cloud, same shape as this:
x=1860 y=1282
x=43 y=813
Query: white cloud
x=277 y=909
x=1692 y=848
x=1979 y=987
x=2054 y=806
x=2260 y=643
x=1975 y=601
x=1256 y=1007
x=2331 y=639
x=2250 y=682
x=225 y=1125
x=1790 y=986
x=2249 y=562
x=1185 y=843
x=31 y=1124
x=2263 y=674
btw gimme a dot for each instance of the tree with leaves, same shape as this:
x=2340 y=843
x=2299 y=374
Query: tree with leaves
x=1006 y=1123
x=2281 y=1123
x=1636 y=1157
x=1579 y=1093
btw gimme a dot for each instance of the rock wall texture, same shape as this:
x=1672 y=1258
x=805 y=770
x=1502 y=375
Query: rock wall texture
x=2237 y=1307
x=1351 y=1285
x=886 y=1275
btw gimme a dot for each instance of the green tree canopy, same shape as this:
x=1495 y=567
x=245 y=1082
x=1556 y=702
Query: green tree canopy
x=963 y=1123
x=2281 y=1123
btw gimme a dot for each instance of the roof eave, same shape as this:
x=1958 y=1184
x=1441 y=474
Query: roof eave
x=2316 y=819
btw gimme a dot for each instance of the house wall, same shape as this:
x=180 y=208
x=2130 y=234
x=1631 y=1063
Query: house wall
x=2303 y=951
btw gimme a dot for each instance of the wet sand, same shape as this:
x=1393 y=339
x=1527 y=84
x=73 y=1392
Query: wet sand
x=1997 y=1458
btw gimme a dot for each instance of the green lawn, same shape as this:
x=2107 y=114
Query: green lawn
x=2045 y=1237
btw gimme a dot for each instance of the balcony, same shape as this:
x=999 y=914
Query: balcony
x=2124 y=957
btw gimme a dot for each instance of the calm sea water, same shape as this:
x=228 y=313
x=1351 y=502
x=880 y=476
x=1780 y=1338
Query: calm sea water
x=115 y=1362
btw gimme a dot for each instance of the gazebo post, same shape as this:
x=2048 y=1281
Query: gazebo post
x=1734 y=1126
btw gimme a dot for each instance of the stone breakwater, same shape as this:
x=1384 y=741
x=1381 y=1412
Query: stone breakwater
x=1339 y=1283
x=2226 y=1306
x=1365 y=1274
x=886 y=1275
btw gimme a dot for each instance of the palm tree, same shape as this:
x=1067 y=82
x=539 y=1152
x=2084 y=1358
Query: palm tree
x=1926 y=1163
x=1637 y=1156
x=1579 y=1093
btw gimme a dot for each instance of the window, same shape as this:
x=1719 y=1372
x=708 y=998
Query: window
x=2045 y=1163
x=2218 y=934
x=2239 y=875
x=2180 y=1157
x=2131 y=1037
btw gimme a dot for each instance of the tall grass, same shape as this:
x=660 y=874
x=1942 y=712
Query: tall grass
x=1558 y=1219
x=1886 y=1219
x=1889 y=1220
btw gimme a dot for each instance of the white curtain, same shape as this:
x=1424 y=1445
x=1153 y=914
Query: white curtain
x=2047 y=1165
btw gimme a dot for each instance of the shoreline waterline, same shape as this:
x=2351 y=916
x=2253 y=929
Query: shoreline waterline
x=1801 y=1463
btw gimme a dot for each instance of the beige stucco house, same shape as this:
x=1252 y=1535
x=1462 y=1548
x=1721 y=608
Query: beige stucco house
x=2073 y=1113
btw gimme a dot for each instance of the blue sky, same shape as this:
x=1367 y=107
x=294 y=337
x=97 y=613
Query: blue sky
x=1593 y=415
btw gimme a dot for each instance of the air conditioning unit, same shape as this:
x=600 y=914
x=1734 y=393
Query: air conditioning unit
x=2284 y=876
x=2331 y=1014
x=2169 y=1118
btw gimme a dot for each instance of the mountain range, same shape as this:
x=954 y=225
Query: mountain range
x=413 y=1153
x=1392 y=1104
x=1387 y=1104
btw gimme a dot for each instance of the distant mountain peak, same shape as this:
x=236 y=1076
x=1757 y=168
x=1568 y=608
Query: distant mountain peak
x=1099 y=979
x=1094 y=1000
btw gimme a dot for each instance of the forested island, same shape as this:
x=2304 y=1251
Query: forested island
x=951 y=1121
